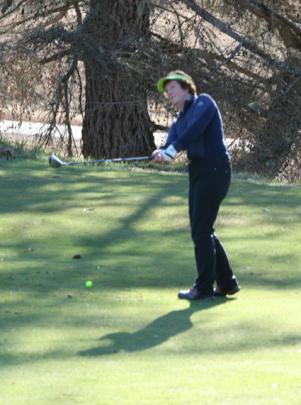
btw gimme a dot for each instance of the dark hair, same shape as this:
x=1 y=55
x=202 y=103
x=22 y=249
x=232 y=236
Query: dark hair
x=186 y=84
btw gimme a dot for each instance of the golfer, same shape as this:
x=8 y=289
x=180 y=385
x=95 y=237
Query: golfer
x=198 y=129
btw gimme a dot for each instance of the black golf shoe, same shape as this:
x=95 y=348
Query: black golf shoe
x=193 y=294
x=221 y=292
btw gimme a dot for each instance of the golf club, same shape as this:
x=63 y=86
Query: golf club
x=56 y=162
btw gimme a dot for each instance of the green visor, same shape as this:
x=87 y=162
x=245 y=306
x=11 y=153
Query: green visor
x=173 y=76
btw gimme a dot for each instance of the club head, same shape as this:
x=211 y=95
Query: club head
x=54 y=161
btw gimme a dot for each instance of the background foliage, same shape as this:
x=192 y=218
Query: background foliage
x=79 y=61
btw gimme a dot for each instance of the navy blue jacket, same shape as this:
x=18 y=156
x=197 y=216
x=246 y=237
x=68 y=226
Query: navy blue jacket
x=198 y=129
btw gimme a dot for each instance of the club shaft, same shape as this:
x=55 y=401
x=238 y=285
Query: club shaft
x=113 y=160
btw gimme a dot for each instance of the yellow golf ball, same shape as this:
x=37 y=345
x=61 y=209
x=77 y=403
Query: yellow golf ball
x=89 y=284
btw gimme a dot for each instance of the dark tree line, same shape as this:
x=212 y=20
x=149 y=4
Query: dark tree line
x=101 y=59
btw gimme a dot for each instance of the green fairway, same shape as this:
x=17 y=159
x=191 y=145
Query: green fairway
x=129 y=340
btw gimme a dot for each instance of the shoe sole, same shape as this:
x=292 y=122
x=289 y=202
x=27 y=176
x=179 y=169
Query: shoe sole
x=232 y=292
x=195 y=299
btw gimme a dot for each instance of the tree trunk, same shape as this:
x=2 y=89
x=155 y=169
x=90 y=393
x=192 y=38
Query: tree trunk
x=116 y=121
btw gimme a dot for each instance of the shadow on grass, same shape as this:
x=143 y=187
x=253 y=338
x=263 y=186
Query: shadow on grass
x=140 y=256
x=154 y=334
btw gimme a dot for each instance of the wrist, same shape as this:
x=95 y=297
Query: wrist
x=171 y=151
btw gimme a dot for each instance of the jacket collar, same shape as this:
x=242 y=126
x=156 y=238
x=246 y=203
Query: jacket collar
x=187 y=105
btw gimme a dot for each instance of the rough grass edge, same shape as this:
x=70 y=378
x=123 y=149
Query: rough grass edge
x=21 y=149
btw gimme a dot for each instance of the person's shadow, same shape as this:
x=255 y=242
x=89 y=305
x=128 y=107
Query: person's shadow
x=153 y=334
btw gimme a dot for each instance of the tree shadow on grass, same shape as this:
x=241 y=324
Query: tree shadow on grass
x=155 y=333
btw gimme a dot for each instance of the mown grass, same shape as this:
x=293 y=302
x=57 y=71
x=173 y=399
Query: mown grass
x=128 y=340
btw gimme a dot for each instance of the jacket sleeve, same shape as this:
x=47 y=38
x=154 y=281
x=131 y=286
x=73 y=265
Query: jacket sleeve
x=171 y=137
x=204 y=111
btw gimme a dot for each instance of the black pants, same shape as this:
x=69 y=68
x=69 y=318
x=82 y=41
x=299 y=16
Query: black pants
x=208 y=186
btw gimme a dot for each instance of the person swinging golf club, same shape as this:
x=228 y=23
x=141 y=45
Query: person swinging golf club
x=198 y=129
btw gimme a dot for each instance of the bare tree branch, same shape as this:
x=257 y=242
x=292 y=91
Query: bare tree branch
x=7 y=6
x=56 y=56
x=270 y=15
x=78 y=12
x=246 y=43
x=61 y=87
